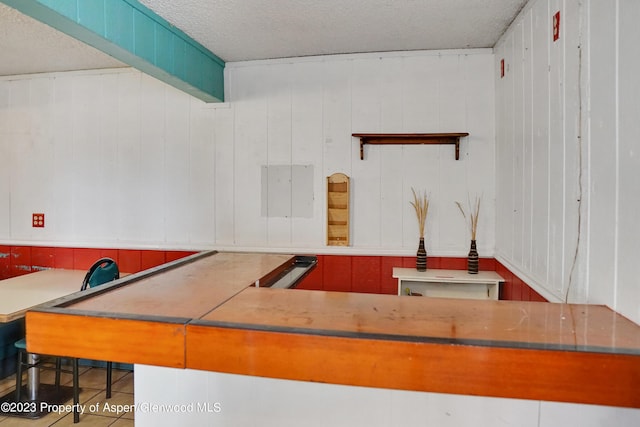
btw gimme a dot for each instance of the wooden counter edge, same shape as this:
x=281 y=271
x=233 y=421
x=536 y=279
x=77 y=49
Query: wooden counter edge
x=112 y=339
x=551 y=375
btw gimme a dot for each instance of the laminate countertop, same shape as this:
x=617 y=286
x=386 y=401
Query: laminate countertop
x=529 y=350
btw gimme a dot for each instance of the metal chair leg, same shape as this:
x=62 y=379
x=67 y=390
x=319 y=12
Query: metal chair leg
x=76 y=391
x=19 y=376
x=58 y=368
x=109 y=377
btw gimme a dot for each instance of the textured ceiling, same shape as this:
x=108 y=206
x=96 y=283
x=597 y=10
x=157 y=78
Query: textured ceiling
x=27 y=46
x=238 y=30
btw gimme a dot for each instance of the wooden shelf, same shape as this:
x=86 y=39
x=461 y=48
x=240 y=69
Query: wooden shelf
x=410 y=138
x=338 y=210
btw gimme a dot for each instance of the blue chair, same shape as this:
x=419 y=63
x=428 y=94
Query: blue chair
x=102 y=271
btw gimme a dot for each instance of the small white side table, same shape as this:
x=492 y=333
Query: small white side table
x=448 y=283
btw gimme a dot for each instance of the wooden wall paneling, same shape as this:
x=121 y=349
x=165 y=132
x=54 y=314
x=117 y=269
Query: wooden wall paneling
x=389 y=285
x=602 y=152
x=453 y=181
x=540 y=120
x=391 y=94
x=627 y=292
x=63 y=257
x=336 y=111
x=279 y=145
x=83 y=258
x=105 y=89
x=526 y=235
x=20 y=261
x=20 y=148
x=42 y=257
x=114 y=253
x=575 y=153
x=557 y=148
x=128 y=146
x=420 y=167
x=516 y=77
x=88 y=171
x=365 y=112
x=250 y=153
x=153 y=103
x=5 y=262
x=201 y=174
x=337 y=273
x=366 y=274
x=177 y=168
x=62 y=119
x=504 y=158
x=144 y=131
x=392 y=197
x=420 y=79
x=307 y=147
x=5 y=162
x=129 y=260
x=502 y=213
x=224 y=184
x=150 y=259
x=480 y=164
x=40 y=195
x=452 y=263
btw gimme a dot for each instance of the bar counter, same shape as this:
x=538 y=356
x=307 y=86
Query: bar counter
x=206 y=315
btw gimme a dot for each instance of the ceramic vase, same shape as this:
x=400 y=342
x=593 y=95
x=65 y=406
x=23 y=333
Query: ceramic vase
x=421 y=256
x=472 y=260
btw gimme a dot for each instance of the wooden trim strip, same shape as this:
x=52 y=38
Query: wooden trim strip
x=107 y=338
x=551 y=375
x=418 y=338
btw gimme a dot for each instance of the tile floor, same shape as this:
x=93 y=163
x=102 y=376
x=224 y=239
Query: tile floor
x=92 y=384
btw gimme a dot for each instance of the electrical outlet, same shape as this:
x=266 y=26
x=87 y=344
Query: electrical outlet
x=37 y=220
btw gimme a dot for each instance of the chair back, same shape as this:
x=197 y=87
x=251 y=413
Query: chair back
x=102 y=271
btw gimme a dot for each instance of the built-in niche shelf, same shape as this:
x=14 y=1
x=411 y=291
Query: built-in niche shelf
x=410 y=138
x=338 y=210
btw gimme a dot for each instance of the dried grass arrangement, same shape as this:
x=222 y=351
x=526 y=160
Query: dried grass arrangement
x=421 y=205
x=474 y=213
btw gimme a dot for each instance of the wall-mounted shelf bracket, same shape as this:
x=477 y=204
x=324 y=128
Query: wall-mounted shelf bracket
x=410 y=138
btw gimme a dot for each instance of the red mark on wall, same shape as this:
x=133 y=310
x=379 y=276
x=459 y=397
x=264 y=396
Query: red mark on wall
x=556 y=26
x=501 y=68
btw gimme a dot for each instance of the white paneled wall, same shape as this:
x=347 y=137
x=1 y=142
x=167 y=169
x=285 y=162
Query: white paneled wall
x=303 y=111
x=116 y=158
x=567 y=151
x=212 y=398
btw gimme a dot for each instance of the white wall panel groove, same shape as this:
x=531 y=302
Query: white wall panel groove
x=129 y=161
x=579 y=133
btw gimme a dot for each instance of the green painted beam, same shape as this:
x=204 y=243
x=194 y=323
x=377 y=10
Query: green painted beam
x=135 y=35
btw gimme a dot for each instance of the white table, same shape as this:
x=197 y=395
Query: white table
x=21 y=293
x=448 y=283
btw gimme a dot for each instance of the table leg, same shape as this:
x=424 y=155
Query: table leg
x=33 y=377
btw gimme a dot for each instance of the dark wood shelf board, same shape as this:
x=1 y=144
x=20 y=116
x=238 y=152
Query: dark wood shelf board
x=410 y=138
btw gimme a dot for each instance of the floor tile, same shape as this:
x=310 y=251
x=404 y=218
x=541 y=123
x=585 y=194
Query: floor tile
x=93 y=386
